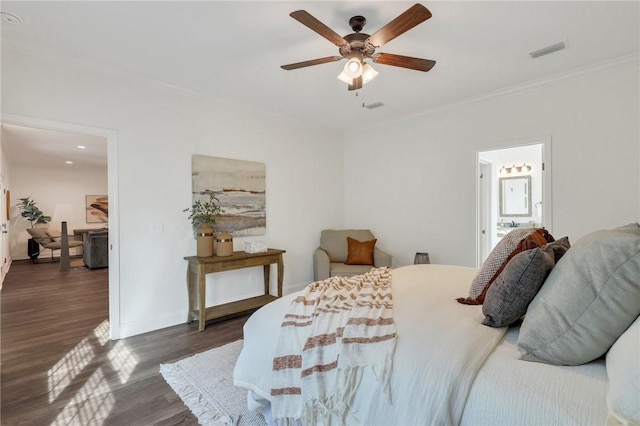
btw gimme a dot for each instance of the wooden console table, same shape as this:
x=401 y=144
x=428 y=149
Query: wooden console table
x=199 y=267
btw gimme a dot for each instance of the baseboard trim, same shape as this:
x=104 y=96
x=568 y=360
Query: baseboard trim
x=145 y=326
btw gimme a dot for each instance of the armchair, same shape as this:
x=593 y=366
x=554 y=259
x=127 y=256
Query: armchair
x=329 y=259
x=49 y=240
x=96 y=250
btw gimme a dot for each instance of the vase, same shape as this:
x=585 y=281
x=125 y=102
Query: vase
x=204 y=240
x=224 y=244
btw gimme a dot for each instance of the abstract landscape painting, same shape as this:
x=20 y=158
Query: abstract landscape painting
x=240 y=187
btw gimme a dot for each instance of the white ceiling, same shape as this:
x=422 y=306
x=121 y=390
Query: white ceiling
x=51 y=150
x=234 y=49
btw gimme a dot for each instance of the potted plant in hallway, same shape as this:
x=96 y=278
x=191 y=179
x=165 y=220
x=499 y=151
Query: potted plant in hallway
x=31 y=212
x=35 y=216
x=203 y=215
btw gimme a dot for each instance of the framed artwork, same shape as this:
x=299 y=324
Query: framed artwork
x=8 y=204
x=240 y=187
x=97 y=208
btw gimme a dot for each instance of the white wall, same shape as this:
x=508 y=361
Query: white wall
x=158 y=129
x=413 y=182
x=51 y=187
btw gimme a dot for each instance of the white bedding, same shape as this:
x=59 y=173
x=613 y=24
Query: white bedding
x=509 y=391
x=439 y=374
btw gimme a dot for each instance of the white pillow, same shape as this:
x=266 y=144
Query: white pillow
x=623 y=369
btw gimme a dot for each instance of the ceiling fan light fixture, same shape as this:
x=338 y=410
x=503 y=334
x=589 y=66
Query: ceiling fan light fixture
x=344 y=77
x=368 y=73
x=353 y=68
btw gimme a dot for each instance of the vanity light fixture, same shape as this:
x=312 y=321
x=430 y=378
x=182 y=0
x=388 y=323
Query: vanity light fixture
x=515 y=169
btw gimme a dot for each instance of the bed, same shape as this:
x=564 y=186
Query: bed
x=449 y=368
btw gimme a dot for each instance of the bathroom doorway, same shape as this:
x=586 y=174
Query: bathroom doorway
x=513 y=191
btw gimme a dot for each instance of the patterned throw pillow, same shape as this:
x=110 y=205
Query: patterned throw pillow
x=513 y=243
x=360 y=253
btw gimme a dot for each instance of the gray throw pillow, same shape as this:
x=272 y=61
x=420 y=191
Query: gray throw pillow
x=510 y=294
x=559 y=247
x=589 y=299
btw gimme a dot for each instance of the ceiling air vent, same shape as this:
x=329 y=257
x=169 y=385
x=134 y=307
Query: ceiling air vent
x=373 y=105
x=548 y=49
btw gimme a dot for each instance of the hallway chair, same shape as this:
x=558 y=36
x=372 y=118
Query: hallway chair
x=338 y=257
x=49 y=240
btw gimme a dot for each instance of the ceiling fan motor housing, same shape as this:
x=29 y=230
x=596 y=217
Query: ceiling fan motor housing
x=356 y=46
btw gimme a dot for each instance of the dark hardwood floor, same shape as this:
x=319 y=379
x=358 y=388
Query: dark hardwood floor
x=58 y=366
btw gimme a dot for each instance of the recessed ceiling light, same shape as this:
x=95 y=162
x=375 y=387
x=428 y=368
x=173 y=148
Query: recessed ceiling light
x=10 y=18
x=82 y=147
x=69 y=162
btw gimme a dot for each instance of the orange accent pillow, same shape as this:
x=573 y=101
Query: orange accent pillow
x=360 y=252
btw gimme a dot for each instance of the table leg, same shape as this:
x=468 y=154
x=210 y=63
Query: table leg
x=267 y=272
x=191 y=291
x=202 y=297
x=280 y=274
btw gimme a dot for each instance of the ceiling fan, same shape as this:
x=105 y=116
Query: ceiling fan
x=358 y=46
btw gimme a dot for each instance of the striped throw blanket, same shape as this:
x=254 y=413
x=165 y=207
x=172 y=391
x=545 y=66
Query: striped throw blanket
x=339 y=327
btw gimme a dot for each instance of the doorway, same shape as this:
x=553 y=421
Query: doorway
x=513 y=191
x=112 y=179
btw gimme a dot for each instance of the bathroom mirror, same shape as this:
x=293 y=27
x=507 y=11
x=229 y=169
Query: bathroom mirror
x=515 y=196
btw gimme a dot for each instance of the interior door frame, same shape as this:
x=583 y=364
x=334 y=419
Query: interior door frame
x=484 y=210
x=112 y=181
x=547 y=194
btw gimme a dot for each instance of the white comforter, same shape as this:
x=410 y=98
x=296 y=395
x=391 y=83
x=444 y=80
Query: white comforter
x=441 y=346
x=448 y=368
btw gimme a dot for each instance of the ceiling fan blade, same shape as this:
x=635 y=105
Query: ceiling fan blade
x=305 y=18
x=413 y=16
x=403 y=61
x=311 y=62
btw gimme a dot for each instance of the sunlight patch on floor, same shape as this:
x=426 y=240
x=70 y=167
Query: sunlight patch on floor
x=102 y=332
x=122 y=360
x=92 y=403
x=65 y=370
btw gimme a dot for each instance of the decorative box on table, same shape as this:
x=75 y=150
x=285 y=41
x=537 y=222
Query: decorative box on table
x=255 y=246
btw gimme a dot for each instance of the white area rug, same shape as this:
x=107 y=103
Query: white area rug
x=204 y=382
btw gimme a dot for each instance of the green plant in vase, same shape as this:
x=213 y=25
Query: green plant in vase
x=203 y=215
x=31 y=212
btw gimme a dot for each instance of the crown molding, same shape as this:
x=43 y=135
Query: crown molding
x=590 y=70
